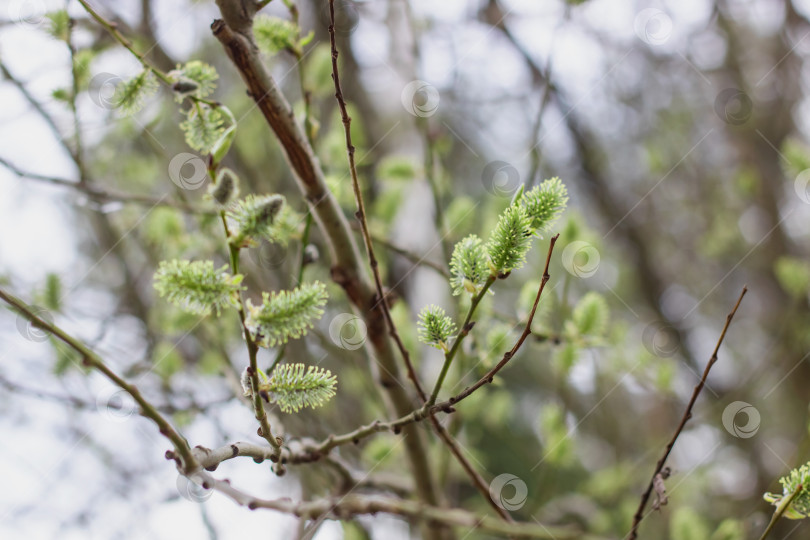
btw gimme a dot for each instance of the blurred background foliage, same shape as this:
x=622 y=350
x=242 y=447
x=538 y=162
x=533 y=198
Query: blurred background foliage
x=679 y=129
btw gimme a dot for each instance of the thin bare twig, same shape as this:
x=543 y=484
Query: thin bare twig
x=265 y=430
x=639 y=515
x=350 y=505
x=780 y=511
x=361 y=209
x=105 y=194
x=348 y=269
x=188 y=463
x=315 y=451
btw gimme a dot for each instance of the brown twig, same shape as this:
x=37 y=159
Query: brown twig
x=415 y=258
x=348 y=270
x=350 y=505
x=188 y=463
x=361 y=209
x=639 y=515
x=315 y=451
x=96 y=192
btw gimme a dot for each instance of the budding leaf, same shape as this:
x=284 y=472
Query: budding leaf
x=545 y=203
x=274 y=35
x=285 y=314
x=203 y=127
x=435 y=327
x=254 y=218
x=197 y=286
x=295 y=386
x=129 y=96
x=798 y=483
x=510 y=241
x=468 y=266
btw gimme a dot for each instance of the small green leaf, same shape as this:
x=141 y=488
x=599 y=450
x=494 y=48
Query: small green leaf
x=203 y=127
x=59 y=24
x=130 y=96
x=196 y=286
x=285 y=314
x=545 y=203
x=798 y=479
x=435 y=327
x=469 y=266
x=295 y=386
x=254 y=218
x=61 y=94
x=274 y=34
x=194 y=78
x=590 y=315
x=52 y=295
x=510 y=241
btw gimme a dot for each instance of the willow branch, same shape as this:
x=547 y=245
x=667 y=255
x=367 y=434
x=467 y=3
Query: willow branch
x=350 y=505
x=112 y=28
x=253 y=367
x=92 y=360
x=104 y=194
x=234 y=32
x=361 y=208
x=639 y=515
x=315 y=451
x=780 y=511
x=468 y=324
